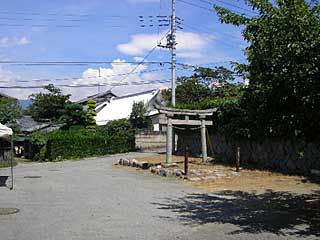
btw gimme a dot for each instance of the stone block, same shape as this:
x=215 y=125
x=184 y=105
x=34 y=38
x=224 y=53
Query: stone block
x=194 y=179
x=134 y=163
x=209 y=178
x=178 y=172
x=125 y=162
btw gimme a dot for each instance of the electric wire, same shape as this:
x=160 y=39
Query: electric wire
x=89 y=85
x=105 y=77
x=76 y=63
x=228 y=4
x=208 y=9
x=146 y=56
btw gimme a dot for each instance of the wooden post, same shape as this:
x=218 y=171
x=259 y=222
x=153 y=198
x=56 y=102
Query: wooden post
x=186 y=161
x=238 y=160
x=203 y=139
x=169 y=141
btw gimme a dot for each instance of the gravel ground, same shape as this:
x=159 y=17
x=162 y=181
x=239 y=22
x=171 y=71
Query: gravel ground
x=92 y=199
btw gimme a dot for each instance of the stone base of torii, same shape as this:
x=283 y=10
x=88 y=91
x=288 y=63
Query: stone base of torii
x=185 y=117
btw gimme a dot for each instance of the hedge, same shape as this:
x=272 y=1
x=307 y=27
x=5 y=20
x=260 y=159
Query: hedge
x=115 y=137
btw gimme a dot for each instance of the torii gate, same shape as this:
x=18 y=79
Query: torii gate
x=199 y=120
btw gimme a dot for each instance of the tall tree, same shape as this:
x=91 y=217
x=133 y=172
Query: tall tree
x=138 y=116
x=49 y=105
x=73 y=115
x=283 y=66
x=10 y=110
x=203 y=84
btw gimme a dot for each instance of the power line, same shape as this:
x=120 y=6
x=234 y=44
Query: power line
x=89 y=85
x=57 y=26
x=77 y=63
x=206 y=8
x=228 y=4
x=105 y=77
x=212 y=38
x=145 y=57
x=196 y=5
x=206 y=29
x=186 y=65
x=66 y=22
x=57 y=14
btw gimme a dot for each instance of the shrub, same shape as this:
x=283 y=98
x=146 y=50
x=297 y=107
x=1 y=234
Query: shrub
x=115 y=137
x=90 y=116
x=38 y=141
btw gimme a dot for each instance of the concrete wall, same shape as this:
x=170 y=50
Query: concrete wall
x=151 y=141
x=284 y=155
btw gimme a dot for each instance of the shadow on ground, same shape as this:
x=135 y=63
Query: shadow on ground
x=275 y=212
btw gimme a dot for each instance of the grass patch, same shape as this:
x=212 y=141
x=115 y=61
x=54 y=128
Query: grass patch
x=7 y=164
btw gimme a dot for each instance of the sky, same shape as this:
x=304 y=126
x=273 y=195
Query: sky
x=118 y=33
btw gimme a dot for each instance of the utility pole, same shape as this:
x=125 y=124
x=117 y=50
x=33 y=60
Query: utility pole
x=173 y=54
x=99 y=81
x=171 y=44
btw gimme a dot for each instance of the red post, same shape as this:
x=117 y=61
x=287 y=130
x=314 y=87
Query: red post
x=238 y=160
x=186 y=161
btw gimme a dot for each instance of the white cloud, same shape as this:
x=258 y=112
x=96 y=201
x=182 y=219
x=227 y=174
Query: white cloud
x=13 y=41
x=117 y=73
x=22 y=41
x=113 y=75
x=9 y=78
x=190 y=45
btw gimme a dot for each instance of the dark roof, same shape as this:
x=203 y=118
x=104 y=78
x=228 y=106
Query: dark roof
x=99 y=98
x=28 y=124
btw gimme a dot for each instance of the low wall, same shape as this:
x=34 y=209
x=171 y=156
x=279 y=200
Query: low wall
x=284 y=155
x=150 y=141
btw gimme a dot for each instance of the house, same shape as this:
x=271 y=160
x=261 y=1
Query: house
x=121 y=107
x=99 y=98
x=27 y=125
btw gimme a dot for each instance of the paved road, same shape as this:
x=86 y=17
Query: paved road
x=92 y=199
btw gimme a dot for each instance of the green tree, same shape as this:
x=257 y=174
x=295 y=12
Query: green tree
x=205 y=83
x=73 y=115
x=10 y=110
x=138 y=116
x=91 y=123
x=283 y=67
x=49 y=105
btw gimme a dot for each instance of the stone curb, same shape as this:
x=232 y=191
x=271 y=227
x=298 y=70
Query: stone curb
x=134 y=163
x=196 y=175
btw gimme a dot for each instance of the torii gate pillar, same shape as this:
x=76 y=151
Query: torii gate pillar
x=203 y=139
x=169 y=140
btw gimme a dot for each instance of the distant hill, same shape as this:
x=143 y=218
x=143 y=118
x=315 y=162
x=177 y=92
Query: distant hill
x=25 y=103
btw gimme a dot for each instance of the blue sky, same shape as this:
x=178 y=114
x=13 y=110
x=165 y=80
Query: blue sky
x=108 y=30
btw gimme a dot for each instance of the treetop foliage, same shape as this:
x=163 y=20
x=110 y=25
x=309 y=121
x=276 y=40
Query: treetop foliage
x=10 y=110
x=138 y=117
x=49 y=105
x=283 y=67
